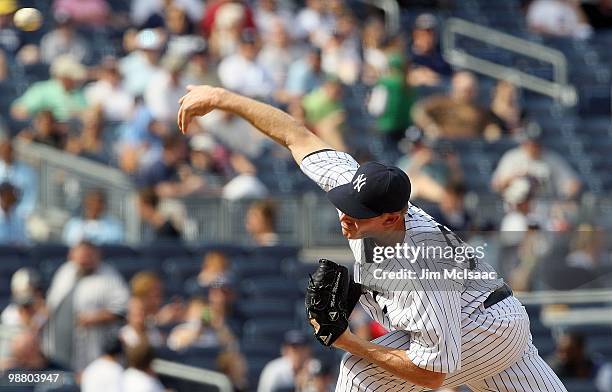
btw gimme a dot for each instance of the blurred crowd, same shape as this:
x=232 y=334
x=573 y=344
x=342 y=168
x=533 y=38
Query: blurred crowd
x=117 y=106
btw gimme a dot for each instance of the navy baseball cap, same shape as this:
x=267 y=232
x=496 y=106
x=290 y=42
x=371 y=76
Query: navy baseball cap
x=374 y=190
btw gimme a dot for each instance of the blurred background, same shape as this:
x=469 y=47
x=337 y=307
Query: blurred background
x=132 y=257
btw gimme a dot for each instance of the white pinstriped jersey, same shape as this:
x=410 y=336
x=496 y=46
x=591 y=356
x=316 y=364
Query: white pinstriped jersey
x=432 y=312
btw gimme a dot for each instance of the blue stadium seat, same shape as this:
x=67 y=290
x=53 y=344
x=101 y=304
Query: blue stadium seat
x=200 y=357
x=270 y=287
x=114 y=250
x=8 y=265
x=279 y=251
x=266 y=329
x=162 y=251
x=8 y=251
x=40 y=252
x=578 y=385
x=256 y=308
x=179 y=269
x=229 y=250
x=261 y=348
x=129 y=266
x=48 y=267
x=248 y=268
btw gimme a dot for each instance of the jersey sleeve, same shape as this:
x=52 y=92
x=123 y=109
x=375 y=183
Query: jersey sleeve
x=434 y=323
x=329 y=168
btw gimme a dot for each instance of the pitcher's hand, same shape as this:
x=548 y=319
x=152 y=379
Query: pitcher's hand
x=198 y=101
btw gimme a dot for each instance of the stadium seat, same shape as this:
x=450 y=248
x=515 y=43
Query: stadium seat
x=40 y=252
x=7 y=251
x=270 y=287
x=201 y=357
x=266 y=329
x=8 y=265
x=179 y=269
x=248 y=268
x=578 y=385
x=256 y=308
x=129 y=266
x=229 y=250
x=162 y=251
x=278 y=252
x=111 y=251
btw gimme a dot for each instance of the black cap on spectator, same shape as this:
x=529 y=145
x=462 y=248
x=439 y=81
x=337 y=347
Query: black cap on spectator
x=426 y=22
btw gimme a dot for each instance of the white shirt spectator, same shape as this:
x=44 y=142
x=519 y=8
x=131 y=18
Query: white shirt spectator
x=550 y=170
x=135 y=380
x=264 y=19
x=106 y=230
x=317 y=26
x=275 y=375
x=137 y=72
x=277 y=61
x=55 y=43
x=244 y=186
x=102 y=375
x=141 y=10
x=162 y=95
x=245 y=77
x=116 y=102
x=557 y=17
x=132 y=338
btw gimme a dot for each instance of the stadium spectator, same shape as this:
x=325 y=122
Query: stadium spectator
x=140 y=376
x=200 y=67
x=165 y=88
x=166 y=175
x=375 y=61
x=13 y=229
x=506 y=111
x=570 y=359
x=314 y=22
x=138 y=329
x=91 y=142
x=233 y=364
x=518 y=197
x=243 y=72
x=95 y=224
x=159 y=227
x=86 y=300
x=91 y=13
x=139 y=66
x=203 y=327
x=140 y=140
x=456 y=115
x=108 y=93
x=20 y=175
x=148 y=287
x=429 y=67
x=391 y=101
x=555 y=177
x=209 y=160
x=324 y=112
x=105 y=373
x=282 y=372
x=223 y=23
x=316 y=376
x=245 y=185
x=304 y=75
x=603 y=379
x=62 y=94
x=25 y=354
x=560 y=18
x=216 y=266
x=27 y=307
x=429 y=171
x=142 y=10
x=64 y=40
x=267 y=12
x=11 y=38
x=340 y=53
x=45 y=130
x=451 y=211
x=260 y=223
x=278 y=52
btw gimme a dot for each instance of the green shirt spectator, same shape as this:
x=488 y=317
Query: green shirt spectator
x=62 y=95
x=323 y=102
x=392 y=99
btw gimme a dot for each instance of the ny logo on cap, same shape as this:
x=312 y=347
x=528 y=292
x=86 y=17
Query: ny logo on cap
x=359 y=182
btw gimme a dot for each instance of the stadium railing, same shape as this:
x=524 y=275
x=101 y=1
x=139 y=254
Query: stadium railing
x=557 y=88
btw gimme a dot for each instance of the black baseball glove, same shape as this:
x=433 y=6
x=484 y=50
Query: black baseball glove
x=330 y=298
